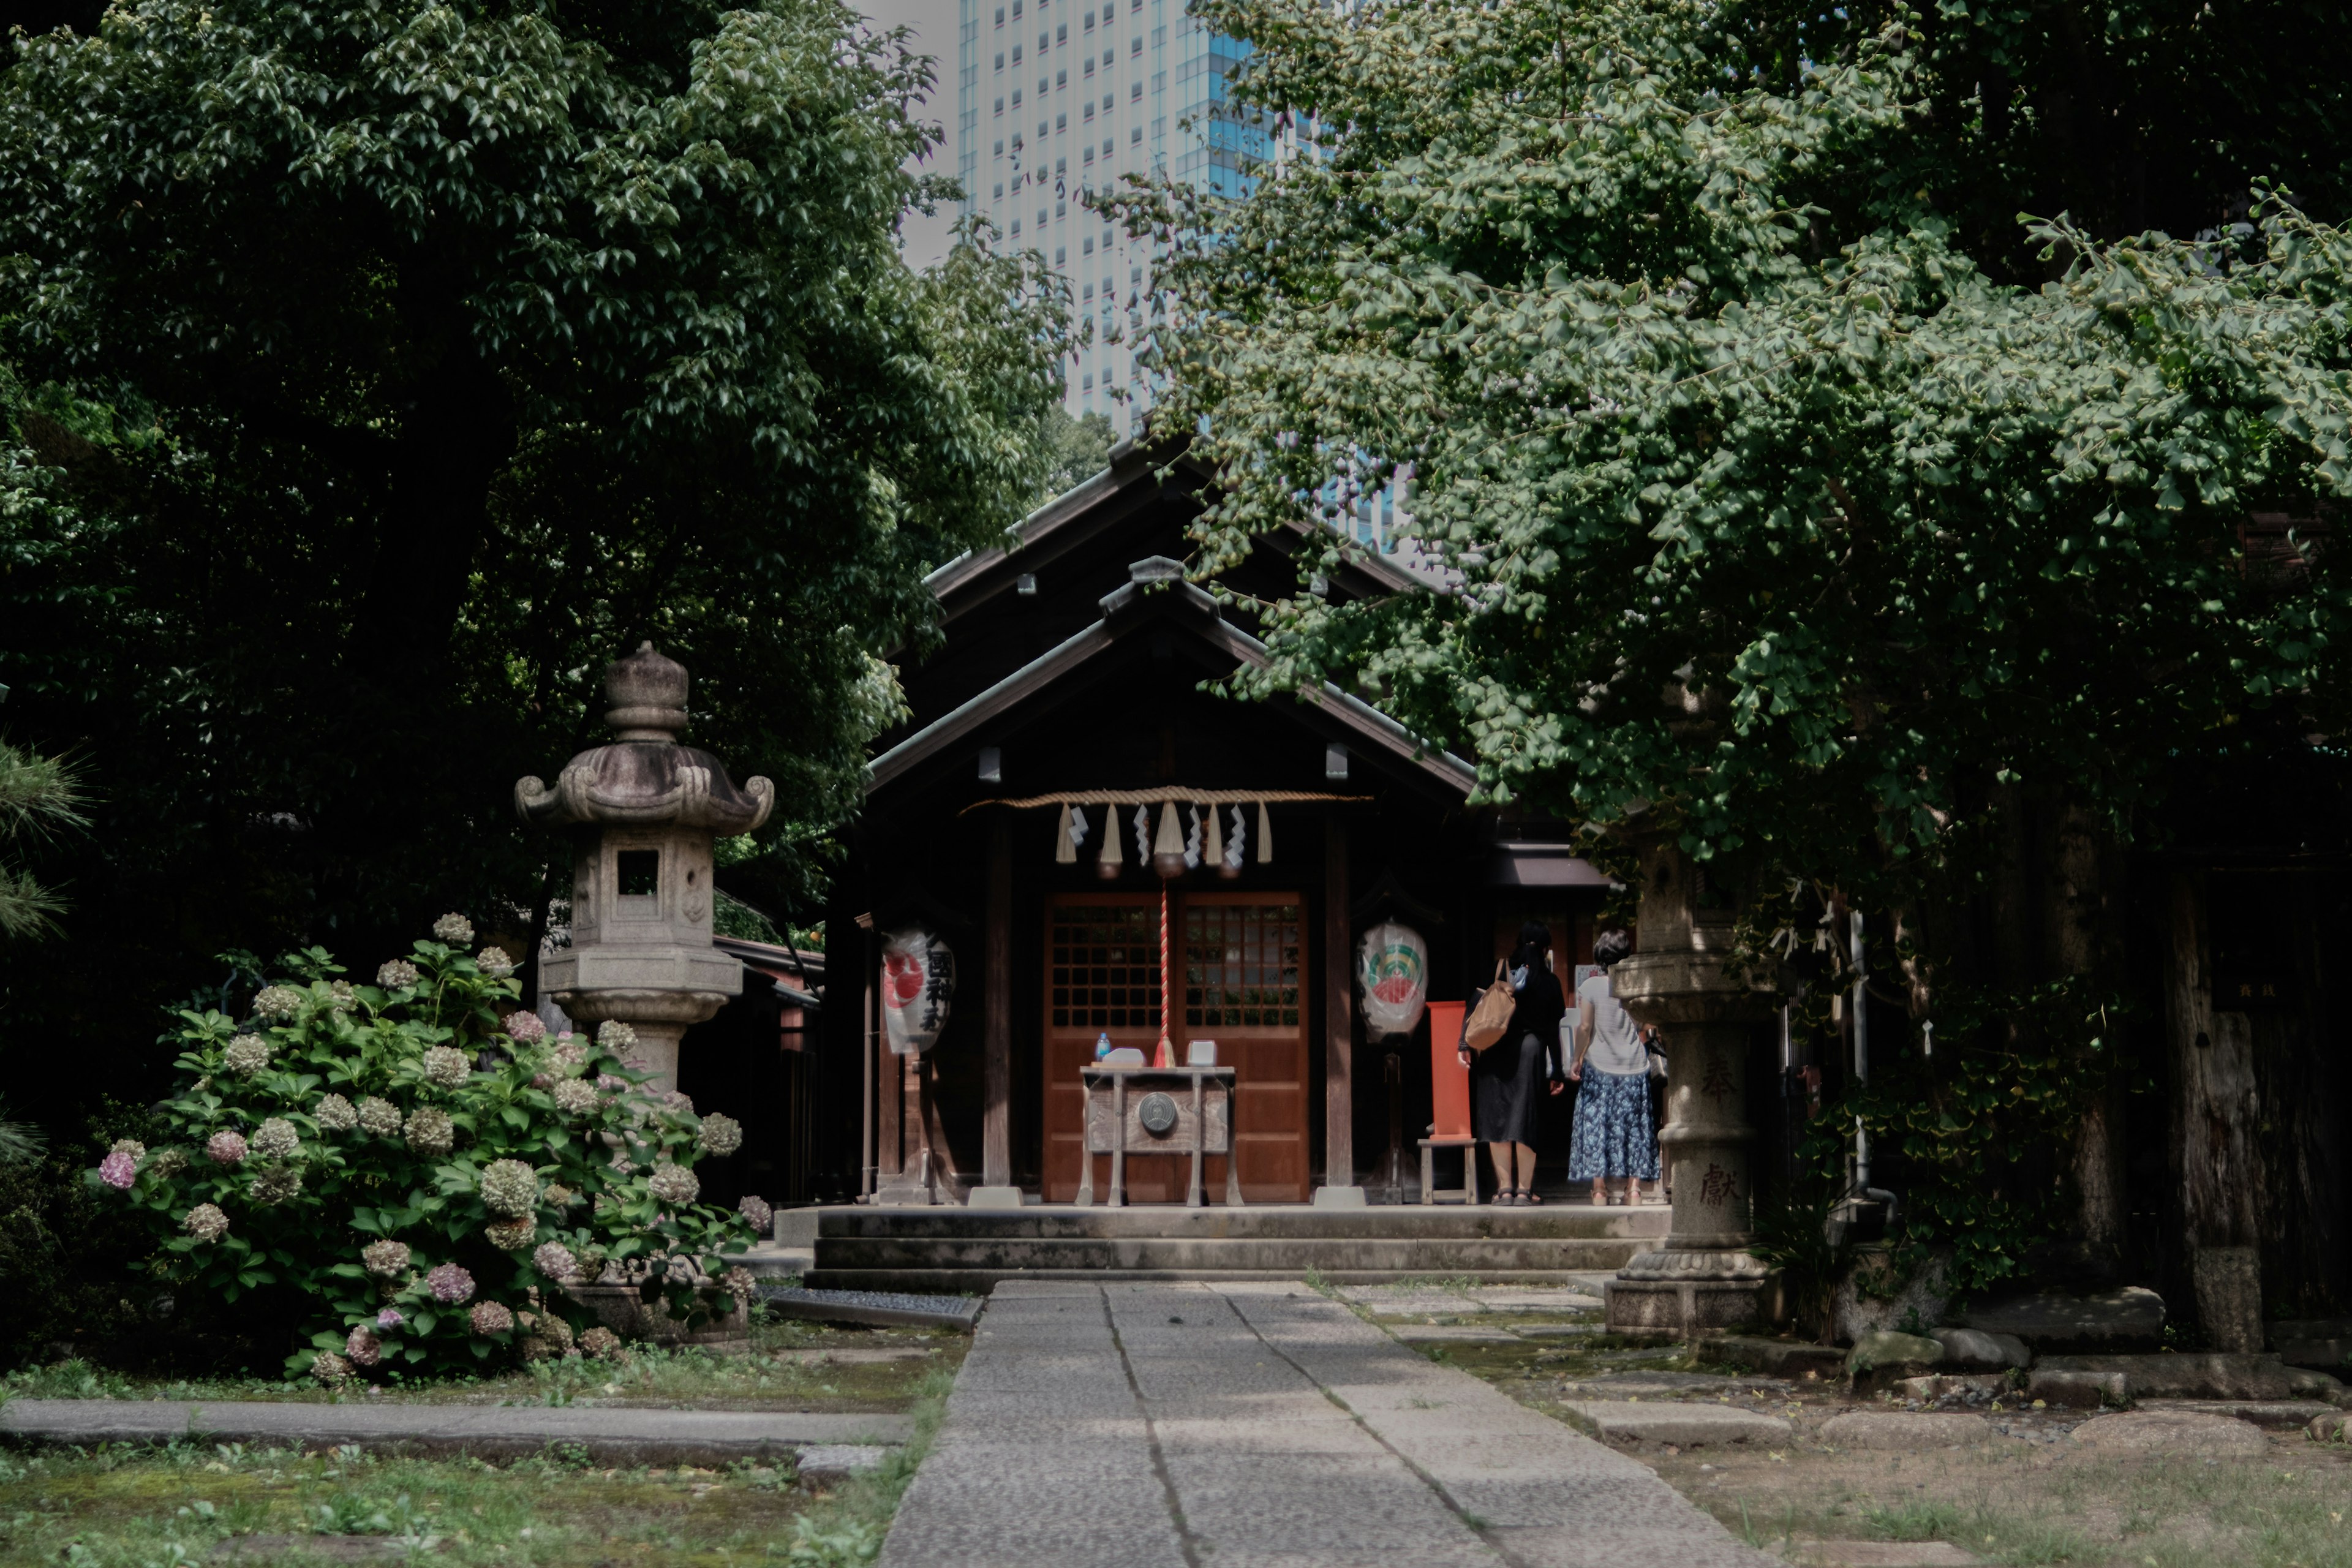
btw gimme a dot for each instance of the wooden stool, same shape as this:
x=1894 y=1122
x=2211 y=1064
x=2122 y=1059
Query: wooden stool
x=1467 y=1192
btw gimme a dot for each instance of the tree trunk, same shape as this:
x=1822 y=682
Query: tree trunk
x=2080 y=942
x=2220 y=1112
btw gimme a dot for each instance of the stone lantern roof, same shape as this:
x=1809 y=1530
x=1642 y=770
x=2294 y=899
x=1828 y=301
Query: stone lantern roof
x=644 y=777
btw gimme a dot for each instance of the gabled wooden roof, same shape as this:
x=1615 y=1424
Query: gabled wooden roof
x=1156 y=596
x=1137 y=478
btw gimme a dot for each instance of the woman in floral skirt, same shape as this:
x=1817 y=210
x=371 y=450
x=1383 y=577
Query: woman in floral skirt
x=1613 y=1137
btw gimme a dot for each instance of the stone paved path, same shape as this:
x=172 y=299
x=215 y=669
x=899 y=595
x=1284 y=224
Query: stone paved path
x=1260 y=1425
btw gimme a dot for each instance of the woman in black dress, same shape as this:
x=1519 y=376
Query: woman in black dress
x=1503 y=1077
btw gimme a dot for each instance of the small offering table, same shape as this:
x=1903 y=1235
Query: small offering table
x=1159 y=1110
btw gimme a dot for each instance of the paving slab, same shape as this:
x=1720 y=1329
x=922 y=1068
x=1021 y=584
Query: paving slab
x=1899 y=1429
x=2170 y=1431
x=1531 y=1299
x=1879 y=1554
x=1617 y=1384
x=878 y=1309
x=1453 y=1333
x=1262 y=1425
x=1687 y=1425
x=2274 y=1412
x=610 y=1436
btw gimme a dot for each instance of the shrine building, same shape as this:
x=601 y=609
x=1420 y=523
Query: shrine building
x=1062 y=738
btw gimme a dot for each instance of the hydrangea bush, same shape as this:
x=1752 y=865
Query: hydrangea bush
x=427 y=1171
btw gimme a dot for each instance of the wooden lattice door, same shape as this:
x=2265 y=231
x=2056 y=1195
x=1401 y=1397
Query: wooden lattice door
x=1238 y=966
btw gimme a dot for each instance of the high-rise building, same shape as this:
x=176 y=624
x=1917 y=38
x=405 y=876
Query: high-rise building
x=1057 y=99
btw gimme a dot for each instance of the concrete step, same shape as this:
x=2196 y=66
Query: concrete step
x=980 y=1281
x=1288 y=1221
x=1257 y=1255
x=955 y=1248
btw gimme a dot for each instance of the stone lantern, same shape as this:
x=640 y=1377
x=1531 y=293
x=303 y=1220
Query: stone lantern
x=643 y=812
x=1682 y=981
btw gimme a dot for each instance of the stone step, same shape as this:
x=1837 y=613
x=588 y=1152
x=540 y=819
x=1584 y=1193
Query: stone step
x=954 y=1248
x=1386 y=1222
x=1259 y=1255
x=981 y=1280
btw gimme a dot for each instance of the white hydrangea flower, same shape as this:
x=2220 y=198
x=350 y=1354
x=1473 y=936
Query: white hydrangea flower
x=510 y=1187
x=494 y=962
x=615 y=1036
x=431 y=1132
x=674 y=1184
x=385 y=1260
x=454 y=928
x=340 y=995
x=276 y=1184
x=447 y=1066
x=334 y=1113
x=379 y=1116
x=720 y=1134
x=276 y=1139
x=246 y=1055
x=575 y=1097
x=278 y=1002
x=206 y=1223
x=511 y=1234
x=397 y=975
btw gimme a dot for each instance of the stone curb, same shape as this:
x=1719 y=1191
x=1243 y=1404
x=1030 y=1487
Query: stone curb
x=873 y=1309
x=608 y=1436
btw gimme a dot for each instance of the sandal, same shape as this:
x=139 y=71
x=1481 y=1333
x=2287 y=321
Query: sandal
x=1527 y=1197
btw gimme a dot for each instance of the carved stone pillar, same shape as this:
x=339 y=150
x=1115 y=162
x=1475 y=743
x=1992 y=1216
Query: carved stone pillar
x=1682 y=980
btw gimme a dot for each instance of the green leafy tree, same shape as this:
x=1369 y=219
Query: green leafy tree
x=1755 y=507
x=1080 y=449
x=385 y=370
x=37 y=795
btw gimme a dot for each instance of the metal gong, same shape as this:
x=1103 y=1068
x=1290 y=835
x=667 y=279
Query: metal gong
x=1158 y=1114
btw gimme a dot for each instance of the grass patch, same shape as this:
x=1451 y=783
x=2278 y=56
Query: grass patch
x=184 y=1504
x=792 y=1365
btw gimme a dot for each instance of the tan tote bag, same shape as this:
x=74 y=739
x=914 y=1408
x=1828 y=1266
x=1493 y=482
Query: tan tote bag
x=1490 y=1020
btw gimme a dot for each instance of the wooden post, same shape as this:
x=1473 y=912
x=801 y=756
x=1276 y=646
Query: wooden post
x=889 y=1079
x=869 y=1035
x=2221 y=1176
x=996 y=1104
x=1338 y=1011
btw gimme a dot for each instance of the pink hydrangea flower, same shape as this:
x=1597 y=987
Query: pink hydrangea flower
x=364 y=1348
x=526 y=1028
x=389 y=1318
x=451 y=1286
x=225 y=1148
x=118 y=1170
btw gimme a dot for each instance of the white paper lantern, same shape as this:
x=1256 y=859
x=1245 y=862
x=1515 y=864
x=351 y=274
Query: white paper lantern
x=1392 y=973
x=918 y=984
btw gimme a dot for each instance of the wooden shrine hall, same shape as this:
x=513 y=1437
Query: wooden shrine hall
x=1063 y=753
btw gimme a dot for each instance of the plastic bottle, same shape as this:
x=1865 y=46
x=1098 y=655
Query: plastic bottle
x=1102 y=1045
